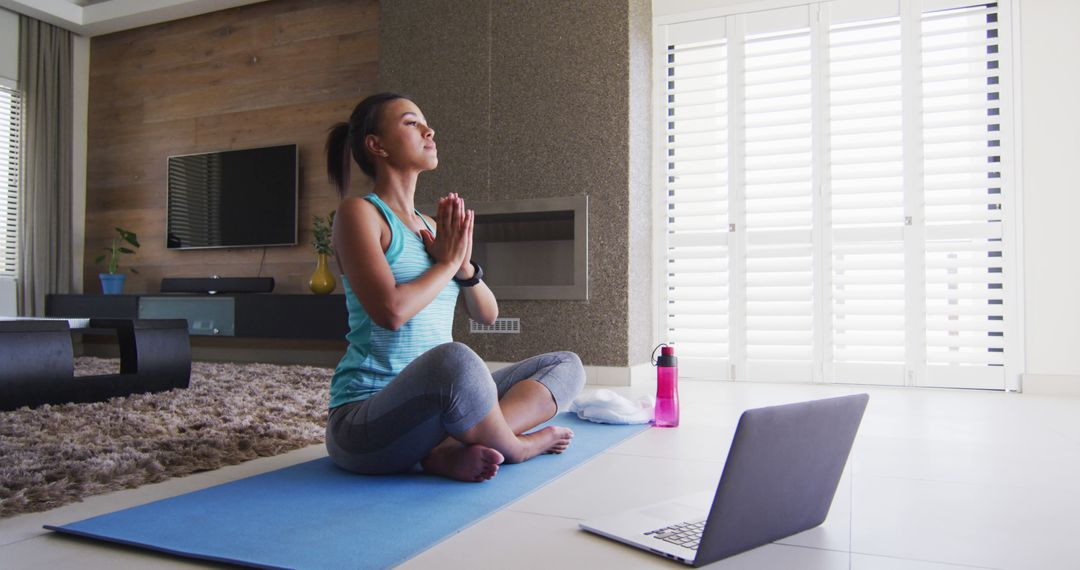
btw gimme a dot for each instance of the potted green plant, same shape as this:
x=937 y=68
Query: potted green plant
x=322 y=281
x=112 y=283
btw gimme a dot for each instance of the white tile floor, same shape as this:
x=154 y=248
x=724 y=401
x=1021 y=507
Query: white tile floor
x=938 y=480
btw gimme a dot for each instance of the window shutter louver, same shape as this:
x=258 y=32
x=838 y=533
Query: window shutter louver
x=696 y=145
x=838 y=202
x=962 y=187
x=866 y=191
x=778 y=197
x=10 y=138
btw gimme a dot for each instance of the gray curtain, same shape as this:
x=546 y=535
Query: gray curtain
x=45 y=77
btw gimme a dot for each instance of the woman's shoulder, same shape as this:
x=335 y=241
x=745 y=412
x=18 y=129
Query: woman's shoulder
x=358 y=210
x=356 y=204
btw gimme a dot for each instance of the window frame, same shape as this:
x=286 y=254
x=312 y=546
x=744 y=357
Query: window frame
x=1010 y=151
x=12 y=272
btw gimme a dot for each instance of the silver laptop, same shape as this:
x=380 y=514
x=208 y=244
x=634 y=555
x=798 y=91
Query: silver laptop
x=780 y=477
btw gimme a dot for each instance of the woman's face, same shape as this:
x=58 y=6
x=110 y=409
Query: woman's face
x=405 y=139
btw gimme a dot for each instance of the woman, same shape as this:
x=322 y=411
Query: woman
x=404 y=394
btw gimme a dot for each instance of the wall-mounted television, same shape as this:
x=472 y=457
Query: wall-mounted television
x=233 y=198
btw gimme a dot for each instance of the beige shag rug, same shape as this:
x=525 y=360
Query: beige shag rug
x=55 y=455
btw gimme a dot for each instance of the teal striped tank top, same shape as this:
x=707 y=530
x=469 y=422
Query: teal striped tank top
x=376 y=355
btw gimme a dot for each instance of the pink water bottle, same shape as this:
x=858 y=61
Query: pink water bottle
x=666 y=413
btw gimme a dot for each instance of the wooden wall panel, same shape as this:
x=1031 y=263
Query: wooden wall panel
x=276 y=72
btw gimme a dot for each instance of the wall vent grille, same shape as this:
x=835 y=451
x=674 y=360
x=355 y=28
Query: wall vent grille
x=507 y=325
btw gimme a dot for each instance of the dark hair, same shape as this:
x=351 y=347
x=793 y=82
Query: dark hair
x=347 y=139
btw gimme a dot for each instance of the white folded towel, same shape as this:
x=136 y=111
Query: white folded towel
x=606 y=407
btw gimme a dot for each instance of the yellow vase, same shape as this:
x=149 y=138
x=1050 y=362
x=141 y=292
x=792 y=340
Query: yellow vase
x=322 y=281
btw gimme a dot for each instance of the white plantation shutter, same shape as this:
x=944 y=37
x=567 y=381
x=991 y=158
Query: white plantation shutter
x=10 y=122
x=778 y=196
x=696 y=144
x=866 y=198
x=962 y=182
x=837 y=194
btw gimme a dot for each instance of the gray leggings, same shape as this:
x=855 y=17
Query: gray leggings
x=444 y=392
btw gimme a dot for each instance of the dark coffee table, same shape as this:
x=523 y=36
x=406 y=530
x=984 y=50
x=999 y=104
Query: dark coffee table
x=37 y=361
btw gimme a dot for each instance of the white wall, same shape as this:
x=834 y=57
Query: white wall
x=1050 y=145
x=9 y=46
x=1051 y=148
x=8 y=301
x=668 y=7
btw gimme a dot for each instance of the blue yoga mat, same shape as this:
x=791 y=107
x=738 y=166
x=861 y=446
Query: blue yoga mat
x=314 y=515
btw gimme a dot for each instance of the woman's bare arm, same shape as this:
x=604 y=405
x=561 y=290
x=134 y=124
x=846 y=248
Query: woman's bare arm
x=479 y=300
x=358 y=231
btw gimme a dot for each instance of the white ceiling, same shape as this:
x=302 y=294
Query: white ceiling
x=96 y=17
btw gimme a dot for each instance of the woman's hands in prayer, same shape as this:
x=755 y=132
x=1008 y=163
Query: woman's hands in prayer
x=453 y=243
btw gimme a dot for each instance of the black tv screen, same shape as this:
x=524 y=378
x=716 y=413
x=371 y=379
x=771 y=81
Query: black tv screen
x=233 y=198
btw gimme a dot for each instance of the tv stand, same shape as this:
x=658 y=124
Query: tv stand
x=215 y=285
x=248 y=315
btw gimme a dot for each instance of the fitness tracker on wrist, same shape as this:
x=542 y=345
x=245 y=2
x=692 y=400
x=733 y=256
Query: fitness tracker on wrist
x=478 y=274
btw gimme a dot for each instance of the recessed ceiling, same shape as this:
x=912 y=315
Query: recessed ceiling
x=96 y=17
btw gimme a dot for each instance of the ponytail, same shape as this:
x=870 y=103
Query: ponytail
x=347 y=139
x=337 y=157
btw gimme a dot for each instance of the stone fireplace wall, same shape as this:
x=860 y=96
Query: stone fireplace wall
x=542 y=99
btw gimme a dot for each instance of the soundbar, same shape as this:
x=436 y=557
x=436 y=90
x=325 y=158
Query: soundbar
x=217 y=284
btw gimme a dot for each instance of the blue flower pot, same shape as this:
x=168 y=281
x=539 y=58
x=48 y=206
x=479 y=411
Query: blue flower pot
x=112 y=283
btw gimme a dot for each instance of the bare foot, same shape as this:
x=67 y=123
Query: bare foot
x=471 y=463
x=552 y=439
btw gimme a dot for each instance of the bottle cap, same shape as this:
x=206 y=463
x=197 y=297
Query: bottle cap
x=667 y=356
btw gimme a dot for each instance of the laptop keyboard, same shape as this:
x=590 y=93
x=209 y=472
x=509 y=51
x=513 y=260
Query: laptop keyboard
x=687 y=534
